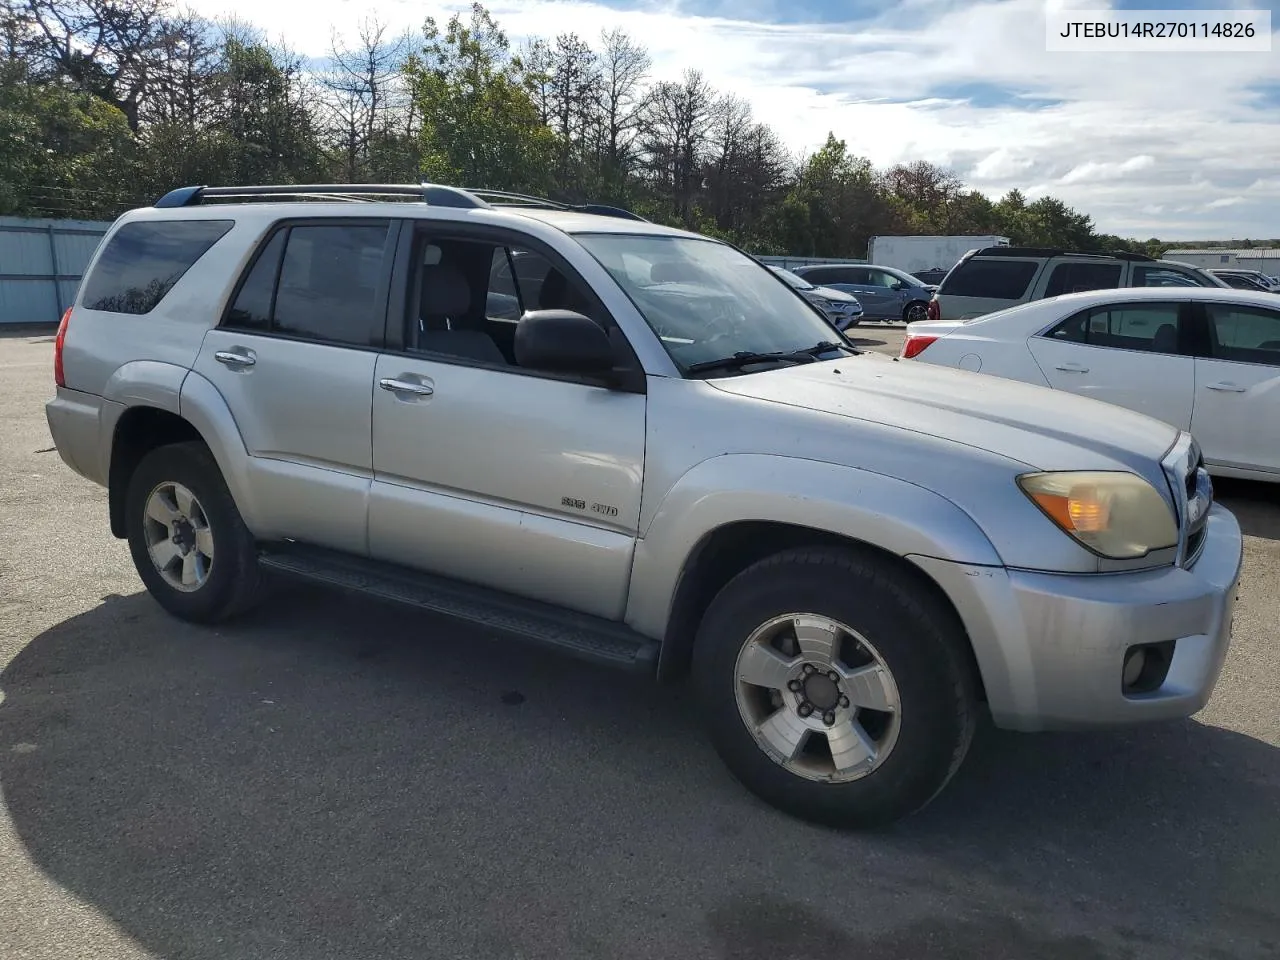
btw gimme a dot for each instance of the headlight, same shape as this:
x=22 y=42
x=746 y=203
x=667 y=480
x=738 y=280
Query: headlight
x=1114 y=514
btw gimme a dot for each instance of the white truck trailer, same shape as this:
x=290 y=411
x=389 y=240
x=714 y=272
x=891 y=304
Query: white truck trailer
x=913 y=254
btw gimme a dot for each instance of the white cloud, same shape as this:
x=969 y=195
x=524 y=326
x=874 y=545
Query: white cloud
x=1118 y=136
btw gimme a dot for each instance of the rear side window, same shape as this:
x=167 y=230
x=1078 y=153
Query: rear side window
x=996 y=279
x=1150 y=327
x=316 y=282
x=142 y=261
x=1076 y=277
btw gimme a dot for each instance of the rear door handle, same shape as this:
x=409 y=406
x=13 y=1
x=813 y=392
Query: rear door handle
x=235 y=359
x=1071 y=368
x=406 y=386
x=1225 y=387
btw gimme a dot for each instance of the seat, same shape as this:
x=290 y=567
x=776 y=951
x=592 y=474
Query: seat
x=445 y=302
x=1166 y=339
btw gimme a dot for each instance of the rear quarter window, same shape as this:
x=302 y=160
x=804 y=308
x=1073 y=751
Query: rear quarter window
x=994 y=279
x=142 y=261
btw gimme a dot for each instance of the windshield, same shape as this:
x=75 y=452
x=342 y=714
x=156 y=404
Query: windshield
x=796 y=281
x=705 y=300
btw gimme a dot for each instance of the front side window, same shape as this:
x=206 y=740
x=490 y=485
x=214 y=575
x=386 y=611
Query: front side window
x=1148 y=327
x=143 y=260
x=705 y=300
x=316 y=282
x=1244 y=334
x=1163 y=277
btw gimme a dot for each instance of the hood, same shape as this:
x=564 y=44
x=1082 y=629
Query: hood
x=1042 y=428
x=835 y=296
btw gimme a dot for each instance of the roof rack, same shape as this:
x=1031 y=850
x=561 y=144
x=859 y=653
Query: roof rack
x=1056 y=252
x=430 y=193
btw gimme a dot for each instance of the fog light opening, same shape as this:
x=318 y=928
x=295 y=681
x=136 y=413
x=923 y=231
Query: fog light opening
x=1134 y=661
x=1146 y=667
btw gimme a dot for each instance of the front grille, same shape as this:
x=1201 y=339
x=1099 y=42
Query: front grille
x=1193 y=493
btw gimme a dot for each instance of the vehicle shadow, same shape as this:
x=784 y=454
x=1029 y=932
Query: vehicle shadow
x=338 y=778
x=1255 y=504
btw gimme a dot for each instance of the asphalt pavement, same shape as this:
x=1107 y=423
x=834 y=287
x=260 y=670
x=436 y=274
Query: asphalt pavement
x=335 y=778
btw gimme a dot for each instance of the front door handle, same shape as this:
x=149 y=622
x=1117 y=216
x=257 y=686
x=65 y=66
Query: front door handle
x=1225 y=387
x=1071 y=368
x=406 y=386
x=234 y=359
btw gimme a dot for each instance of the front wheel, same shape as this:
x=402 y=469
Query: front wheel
x=833 y=688
x=916 y=312
x=189 y=544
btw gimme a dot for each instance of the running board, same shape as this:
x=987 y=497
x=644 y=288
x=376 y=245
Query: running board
x=576 y=634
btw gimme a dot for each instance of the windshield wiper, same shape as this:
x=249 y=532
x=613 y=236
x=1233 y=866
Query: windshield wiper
x=744 y=357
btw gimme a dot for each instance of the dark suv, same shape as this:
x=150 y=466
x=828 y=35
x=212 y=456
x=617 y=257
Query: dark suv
x=994 y=278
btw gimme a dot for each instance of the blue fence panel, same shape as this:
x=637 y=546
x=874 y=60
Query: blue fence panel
x=41 y=263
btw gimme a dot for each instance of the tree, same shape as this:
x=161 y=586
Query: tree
x=673 y=140
x=624 y=66
x=480 y=126
x=361 y=97
x=108 y=48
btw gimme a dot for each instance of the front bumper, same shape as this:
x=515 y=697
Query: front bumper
x=1051 y=647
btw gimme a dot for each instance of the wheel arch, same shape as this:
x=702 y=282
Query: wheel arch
x=139 y=430
x=731 y=511
x=726 y=551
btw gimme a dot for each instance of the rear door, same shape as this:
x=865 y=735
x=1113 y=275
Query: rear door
x=982 y=285
x=1134 y=355
x=1237 y=387
x=294 y=359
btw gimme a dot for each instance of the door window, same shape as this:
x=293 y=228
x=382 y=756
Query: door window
x=1075 y=277
x=1163 y=277
x=316 y=282
x=1149 y=327
x=1244 y=334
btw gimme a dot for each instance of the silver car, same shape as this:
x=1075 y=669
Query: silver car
x=843 y=309
x=661 y=460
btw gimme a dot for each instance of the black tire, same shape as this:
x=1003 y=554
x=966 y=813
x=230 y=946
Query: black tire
x=233 y=577
x=917 y=637
x=914 y=305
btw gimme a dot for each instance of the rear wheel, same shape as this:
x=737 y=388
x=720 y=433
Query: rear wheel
x=834 y=689
x=189 y=544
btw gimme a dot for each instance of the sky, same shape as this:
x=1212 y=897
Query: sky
x=1175 y=145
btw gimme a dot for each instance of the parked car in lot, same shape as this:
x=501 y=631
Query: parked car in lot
x=930 y=278
x=1246 y=280
x=884 y=292
x=842 y=309
x=1203 y=359
x=997 y=277
x=668 y=462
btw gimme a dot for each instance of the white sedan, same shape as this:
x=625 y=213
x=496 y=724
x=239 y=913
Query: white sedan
x=1205 y=359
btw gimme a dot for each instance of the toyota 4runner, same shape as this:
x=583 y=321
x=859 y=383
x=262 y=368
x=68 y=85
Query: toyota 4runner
x=639 y=446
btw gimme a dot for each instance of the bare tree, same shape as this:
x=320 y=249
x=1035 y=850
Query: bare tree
x=360 y=93
x=624 y=68
x=110 y=48
x=673 y=137
x=184 y=74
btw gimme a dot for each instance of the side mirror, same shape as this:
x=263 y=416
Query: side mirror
x=562 y=341
x=899 y=285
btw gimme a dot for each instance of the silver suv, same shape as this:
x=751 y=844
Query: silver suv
x=661 y=458
x=993 y=278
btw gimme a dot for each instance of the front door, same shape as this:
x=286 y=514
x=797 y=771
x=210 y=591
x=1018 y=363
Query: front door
x=1128 y=354
x=1237 y=414
x=294 y=360
x=489 y=472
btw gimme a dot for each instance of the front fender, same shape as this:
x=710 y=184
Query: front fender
x=894 y=515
